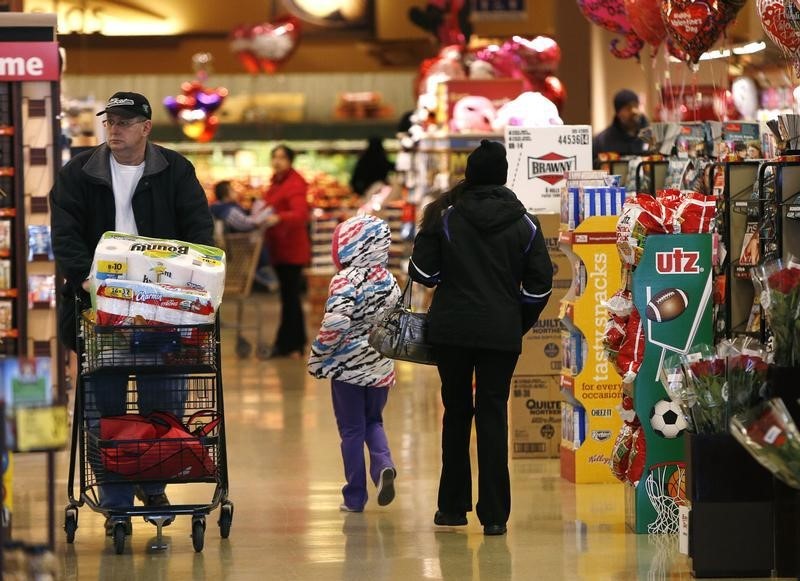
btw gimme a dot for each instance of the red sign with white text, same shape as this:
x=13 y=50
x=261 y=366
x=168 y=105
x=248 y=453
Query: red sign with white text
x=29 y=61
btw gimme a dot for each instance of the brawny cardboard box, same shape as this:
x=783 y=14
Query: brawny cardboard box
x=535 y=416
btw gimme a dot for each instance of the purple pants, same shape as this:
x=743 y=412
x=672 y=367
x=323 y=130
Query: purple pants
x=359 y=418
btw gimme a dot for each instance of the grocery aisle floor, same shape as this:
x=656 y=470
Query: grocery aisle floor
x=286 y=474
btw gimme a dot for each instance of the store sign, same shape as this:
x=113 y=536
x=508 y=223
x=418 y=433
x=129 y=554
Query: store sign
x=29 y=61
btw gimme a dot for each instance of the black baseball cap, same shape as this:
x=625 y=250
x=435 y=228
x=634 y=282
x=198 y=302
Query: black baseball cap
x=128 y=105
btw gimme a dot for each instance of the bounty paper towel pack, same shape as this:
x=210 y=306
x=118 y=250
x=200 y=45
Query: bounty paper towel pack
x=159 y=261
x=125 y=302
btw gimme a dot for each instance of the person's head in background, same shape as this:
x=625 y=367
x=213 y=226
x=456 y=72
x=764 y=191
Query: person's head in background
x=375 y=143
x=627 y=110
x=282 y=158
x=222 y=191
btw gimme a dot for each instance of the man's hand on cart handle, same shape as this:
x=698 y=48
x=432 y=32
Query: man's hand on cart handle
x=86 y=285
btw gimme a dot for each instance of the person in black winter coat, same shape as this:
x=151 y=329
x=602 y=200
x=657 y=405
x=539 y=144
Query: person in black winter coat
x=128 y=185
x=373 y=166
x=487 y=258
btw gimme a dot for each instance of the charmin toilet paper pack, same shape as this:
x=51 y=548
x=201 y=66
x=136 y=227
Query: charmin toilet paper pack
x=125 y=302
x=161 y=262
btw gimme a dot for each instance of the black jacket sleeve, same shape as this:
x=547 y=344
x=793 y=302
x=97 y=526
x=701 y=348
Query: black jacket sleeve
x=195 y=223
x=537 y=280
x=425 y=265
x=68 y=228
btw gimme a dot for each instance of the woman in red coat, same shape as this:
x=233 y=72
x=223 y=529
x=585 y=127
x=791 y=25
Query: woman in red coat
x=289 y=247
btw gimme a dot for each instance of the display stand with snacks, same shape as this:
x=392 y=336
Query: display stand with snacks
x=672 y=286
x=590 y=384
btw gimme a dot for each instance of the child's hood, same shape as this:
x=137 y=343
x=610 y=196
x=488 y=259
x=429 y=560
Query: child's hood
x=361 y=242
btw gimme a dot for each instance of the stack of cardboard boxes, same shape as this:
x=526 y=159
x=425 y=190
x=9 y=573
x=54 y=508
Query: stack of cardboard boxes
x=535 y=412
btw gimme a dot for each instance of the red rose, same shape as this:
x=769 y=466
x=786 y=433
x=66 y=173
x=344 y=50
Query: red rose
x=785 y=280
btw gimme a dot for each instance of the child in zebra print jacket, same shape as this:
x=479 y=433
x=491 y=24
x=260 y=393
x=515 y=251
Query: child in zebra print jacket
x=359 y=296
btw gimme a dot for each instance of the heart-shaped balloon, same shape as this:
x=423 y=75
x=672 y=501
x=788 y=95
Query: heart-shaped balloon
x=611 y=15
x=694 y=25
x=210 y=129
x=274 y=42
x=240 y=46
x=645 y=19
x=194 y=129
x=777 y=26
x=538 y=57
x=552 y=88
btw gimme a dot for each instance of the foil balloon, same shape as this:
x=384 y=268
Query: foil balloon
x=694 y=25
x=553 y=90
x=645 y=19
x=240 y=46
x=194 y=109
x=779 y=29
x=611 y=15
x=274 y=42
x=538 y=57
x=744 y=94
x=504 y=62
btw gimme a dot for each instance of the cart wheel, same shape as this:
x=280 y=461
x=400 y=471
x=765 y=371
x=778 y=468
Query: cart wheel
x=225 y=519
x=263 y=352
x=243 y=348
x=70 y=523
x=198 y=533
x=119 y=538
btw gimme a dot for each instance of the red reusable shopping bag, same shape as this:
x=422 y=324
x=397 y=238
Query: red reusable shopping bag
x=157 y=446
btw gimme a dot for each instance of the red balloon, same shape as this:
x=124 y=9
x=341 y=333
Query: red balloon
x=610 y=14
x=538 y=57
x=645 y=19
x=694 y=25
x=240 y=46
x=553 y=89
x=274 y=42
x=212 y=124
x=779 y=29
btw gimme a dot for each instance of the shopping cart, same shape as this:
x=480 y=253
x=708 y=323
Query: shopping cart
x=242 y=251
x=148 y=408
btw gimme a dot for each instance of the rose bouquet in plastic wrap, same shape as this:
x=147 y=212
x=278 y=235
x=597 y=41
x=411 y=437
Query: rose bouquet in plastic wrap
x=747 y=373
x=706 y=378
x=779 y=287
x=769 y=434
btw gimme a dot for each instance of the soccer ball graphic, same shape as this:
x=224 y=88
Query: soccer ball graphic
x=666 y=419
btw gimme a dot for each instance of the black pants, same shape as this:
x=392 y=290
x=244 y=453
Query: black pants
x=493 y=371
x=292 y=330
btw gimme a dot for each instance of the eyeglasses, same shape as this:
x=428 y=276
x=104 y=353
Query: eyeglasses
x=122 y=123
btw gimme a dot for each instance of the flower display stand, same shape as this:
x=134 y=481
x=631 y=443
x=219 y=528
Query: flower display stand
x=732 y=518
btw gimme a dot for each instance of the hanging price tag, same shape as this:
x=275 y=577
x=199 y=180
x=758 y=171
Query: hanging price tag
x=41 y=428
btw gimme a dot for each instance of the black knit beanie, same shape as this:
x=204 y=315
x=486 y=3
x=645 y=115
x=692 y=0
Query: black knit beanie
x=624 y=97
x=487 y=165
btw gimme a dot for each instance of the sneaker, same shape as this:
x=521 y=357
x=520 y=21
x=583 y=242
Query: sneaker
x=449 y=519
x=344 y=508
x=154 y=501
x=386 y=486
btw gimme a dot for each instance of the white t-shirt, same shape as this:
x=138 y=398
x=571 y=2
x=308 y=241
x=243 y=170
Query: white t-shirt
x=124 y=179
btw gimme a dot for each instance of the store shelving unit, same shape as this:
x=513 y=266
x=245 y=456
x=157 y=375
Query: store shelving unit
x=591 y=388
x=650 y=176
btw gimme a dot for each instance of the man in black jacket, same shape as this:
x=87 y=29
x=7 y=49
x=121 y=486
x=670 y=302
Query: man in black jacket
x=493 y=275
x=129 y=185
x=622 y=136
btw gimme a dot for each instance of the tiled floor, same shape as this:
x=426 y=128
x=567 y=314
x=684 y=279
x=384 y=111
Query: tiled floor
x=286 y=474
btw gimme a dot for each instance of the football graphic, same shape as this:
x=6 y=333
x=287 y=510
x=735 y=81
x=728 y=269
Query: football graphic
x=666 y=419
x=666 y=305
